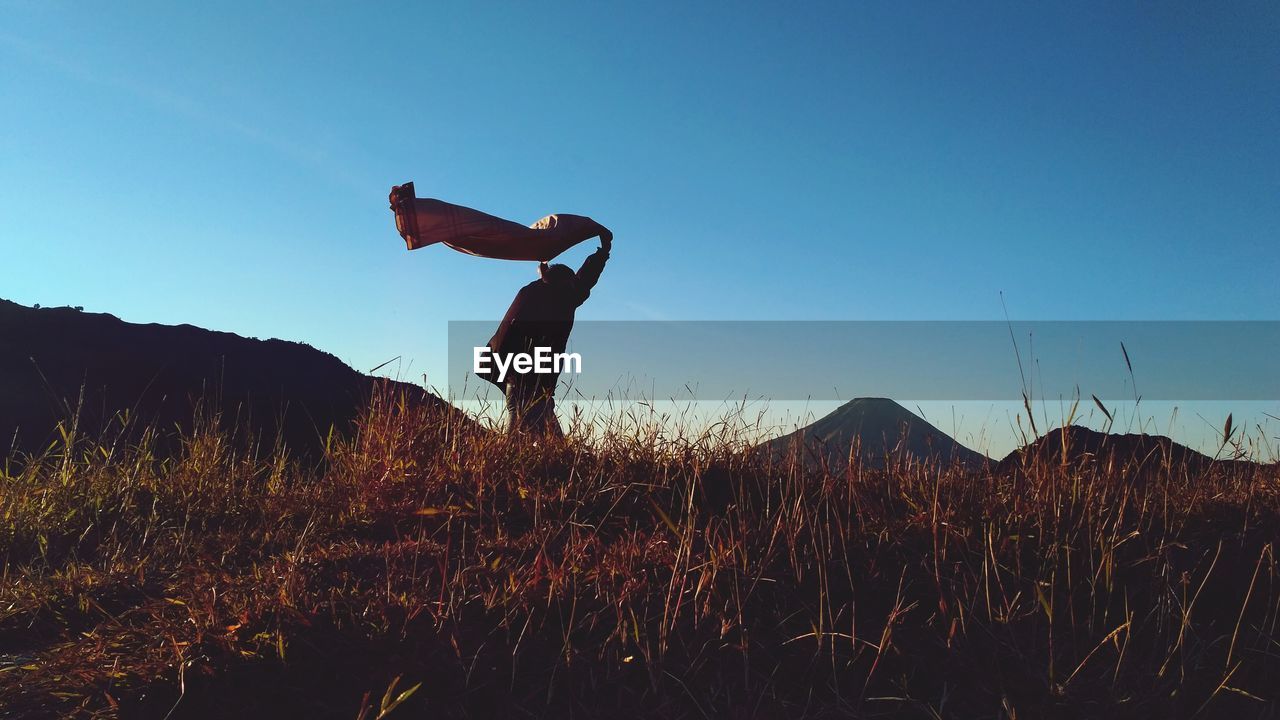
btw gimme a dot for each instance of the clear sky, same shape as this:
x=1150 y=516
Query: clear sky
x=227 y=165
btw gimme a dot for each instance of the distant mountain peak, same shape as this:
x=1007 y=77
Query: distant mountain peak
x=879 y=427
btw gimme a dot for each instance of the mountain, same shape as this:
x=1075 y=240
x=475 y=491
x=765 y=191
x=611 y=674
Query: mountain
x=55 y=360
x=1075 y=445
x=881 y=428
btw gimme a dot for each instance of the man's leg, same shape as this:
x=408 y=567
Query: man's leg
x=517 y=408
x=541 y=418
x=532 y=410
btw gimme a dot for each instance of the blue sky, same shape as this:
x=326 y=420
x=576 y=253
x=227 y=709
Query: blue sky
x=227 y=165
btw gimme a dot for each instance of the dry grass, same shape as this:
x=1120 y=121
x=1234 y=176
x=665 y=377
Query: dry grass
x=429 y=567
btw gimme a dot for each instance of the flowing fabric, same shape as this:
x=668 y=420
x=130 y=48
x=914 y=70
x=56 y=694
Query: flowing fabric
x=426 y=221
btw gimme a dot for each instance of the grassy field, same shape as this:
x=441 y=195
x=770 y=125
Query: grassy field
x=431 y=569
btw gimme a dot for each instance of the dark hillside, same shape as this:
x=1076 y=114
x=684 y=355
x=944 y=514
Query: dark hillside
x=1138 y=453
x=55 y=360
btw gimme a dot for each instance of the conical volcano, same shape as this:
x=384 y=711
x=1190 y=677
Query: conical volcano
x=876 y=429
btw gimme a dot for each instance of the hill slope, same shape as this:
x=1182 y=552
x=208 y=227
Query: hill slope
x=880 y=427
x=1074 y=445
x=159 y=374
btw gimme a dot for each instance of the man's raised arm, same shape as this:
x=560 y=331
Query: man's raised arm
x=589 y=273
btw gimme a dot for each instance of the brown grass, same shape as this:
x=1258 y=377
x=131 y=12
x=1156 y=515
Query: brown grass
x=433 y=569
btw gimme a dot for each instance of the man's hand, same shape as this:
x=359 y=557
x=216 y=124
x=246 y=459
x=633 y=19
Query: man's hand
x=606 y=238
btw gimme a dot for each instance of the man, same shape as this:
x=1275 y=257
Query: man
x=542 y=313
x=542 y=316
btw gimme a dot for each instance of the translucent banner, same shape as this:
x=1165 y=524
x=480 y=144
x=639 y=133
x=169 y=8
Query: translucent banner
x=904 y=360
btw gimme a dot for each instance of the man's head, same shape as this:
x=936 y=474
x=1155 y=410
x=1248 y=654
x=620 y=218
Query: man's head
x=557 y=275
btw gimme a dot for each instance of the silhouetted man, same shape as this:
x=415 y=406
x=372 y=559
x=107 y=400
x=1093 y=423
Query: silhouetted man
x=541 y=316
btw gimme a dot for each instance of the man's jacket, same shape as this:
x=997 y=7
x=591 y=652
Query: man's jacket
x=542 y=316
